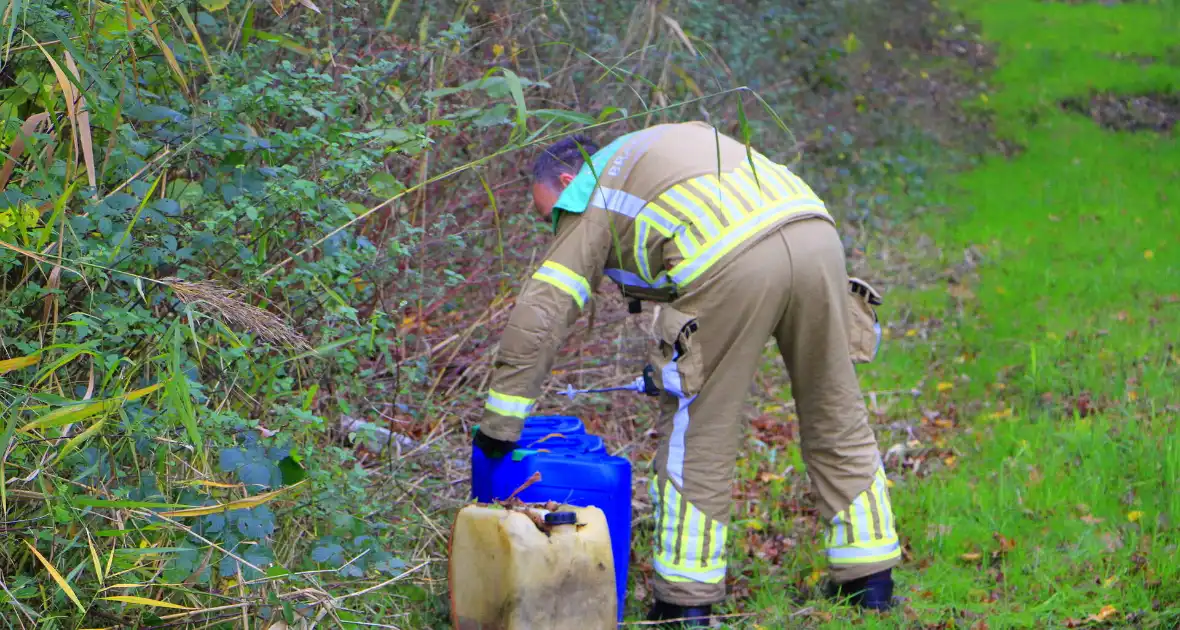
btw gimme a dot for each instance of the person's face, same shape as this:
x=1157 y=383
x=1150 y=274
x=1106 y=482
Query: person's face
x=545 y=195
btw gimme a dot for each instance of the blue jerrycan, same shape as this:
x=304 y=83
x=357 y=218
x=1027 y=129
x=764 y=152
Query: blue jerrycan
x=535 y=428
x=575 y=470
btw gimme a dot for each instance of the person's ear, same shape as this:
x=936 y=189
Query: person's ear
x=565 y=179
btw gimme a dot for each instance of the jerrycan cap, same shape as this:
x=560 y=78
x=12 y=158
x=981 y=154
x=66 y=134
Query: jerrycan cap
x=561 y=518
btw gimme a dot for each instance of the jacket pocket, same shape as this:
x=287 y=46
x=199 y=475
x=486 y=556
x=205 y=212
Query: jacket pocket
x=679 y=370
x=864 y=329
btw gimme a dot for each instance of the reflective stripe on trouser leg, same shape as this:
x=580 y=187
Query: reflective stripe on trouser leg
x=689 y=546
x=863 y=533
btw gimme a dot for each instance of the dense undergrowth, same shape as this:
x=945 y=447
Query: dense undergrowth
x=237 y=235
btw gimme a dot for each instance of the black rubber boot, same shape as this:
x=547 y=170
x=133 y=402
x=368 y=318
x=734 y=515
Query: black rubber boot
x=692 y=616
x=874 y=592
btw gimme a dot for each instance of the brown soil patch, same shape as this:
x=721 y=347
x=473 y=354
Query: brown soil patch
x=1147 y=112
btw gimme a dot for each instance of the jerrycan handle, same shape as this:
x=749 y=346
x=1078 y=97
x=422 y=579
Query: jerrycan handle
x=551 y=435
x=522 y=453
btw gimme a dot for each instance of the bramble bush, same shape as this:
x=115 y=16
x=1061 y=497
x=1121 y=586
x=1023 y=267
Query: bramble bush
x=242 y=240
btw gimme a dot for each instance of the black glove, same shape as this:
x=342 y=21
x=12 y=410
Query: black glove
x=490 y=446
x=649 y=384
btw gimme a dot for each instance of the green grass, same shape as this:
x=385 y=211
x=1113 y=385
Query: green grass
x=1061 y=363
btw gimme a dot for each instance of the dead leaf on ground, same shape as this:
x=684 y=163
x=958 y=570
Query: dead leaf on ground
x=1106 y=614
x=1006 y=544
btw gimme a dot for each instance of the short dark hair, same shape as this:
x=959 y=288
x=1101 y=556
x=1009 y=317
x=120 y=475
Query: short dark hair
x=563 y=156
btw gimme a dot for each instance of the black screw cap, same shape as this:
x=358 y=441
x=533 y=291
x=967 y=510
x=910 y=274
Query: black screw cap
x=561 y=518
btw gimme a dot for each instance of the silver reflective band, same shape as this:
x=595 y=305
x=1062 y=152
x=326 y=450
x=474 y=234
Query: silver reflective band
x=618 y=201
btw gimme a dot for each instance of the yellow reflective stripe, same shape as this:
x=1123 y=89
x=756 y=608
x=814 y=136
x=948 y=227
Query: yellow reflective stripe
x=684 y=223
x=748 y=187
x=851 y=532
x=658 y=225
x=641 y=261
x=691 y=268
x=760 y=186
x=508 y=405
x=744 y=207
x=689 y=546
x=865 y=553
x=839 y=535
x=877 y=509
x=772 y=187
x=671 y=523
x=565 y=279
x=776 y=171
x=711 y=188
x=692 y=545
x=688 y=205
x=718 y=537
x=873 y=541
x=796 y=182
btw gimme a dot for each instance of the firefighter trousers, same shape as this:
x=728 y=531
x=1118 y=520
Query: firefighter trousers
x=792 y=285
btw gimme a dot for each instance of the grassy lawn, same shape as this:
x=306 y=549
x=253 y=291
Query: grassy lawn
x=1034 y=468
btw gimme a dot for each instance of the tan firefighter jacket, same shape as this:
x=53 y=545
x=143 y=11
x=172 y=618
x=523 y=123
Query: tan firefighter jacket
x=654 y=211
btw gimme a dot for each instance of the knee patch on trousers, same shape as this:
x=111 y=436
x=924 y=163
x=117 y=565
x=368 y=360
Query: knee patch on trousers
x=689 y=546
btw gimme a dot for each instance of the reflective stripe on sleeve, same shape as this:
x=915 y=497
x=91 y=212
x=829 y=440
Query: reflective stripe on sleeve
x=565 y=279
x=507 y=405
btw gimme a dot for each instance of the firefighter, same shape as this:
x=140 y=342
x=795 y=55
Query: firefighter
x=733 y=249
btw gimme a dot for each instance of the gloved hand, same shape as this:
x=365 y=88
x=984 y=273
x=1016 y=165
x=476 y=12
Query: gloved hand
x=490 y=446
x=649 y=384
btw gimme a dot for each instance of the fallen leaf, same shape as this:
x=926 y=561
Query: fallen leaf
x=1105 y=614
x=9 y=365
x=144 y=601
x=971 y=557
x=1006 y=544
x=57 y=577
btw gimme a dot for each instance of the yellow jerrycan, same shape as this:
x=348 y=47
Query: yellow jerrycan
x=529 y=568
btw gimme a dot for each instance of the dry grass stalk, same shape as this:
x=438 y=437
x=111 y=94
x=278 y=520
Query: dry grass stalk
x=231 y=309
